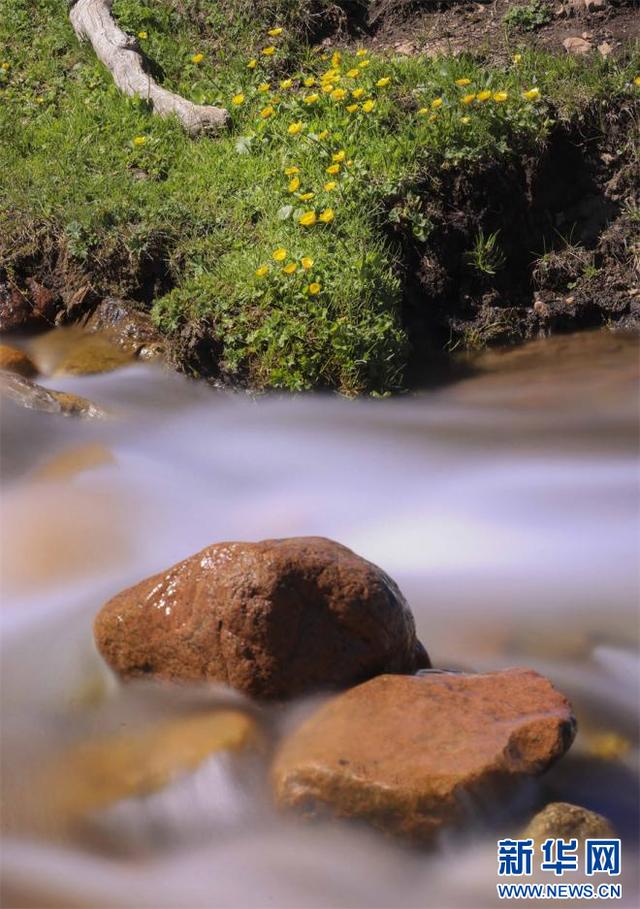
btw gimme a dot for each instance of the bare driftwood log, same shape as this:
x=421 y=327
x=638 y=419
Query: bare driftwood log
x=120 y=53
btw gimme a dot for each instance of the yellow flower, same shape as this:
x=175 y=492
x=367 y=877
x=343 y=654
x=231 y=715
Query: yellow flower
x=433 y=118
x=330 y=185
x=286 y=83
x=327 y=88
x=329 y=75
x=463 y=82
x=323 y=135
x=252 y=64
x=294 y=185
x=197 y=58
x=338 y=94
x=6 y=66
x=436 y=103
x=361 y=53
x=339 y=156
x=465 y=120
x=143 y=35
x=636 y=81
x=467 y=99
x=279 y=254
x=306 y=197
x=424 y=111
x=290 y=269
x=309 y=81
x=484 y=95
x=274 y=32
x=352 y=108
x=384 y=81
x=139 y=140
x=306 y=262
x=238 y=99
x=333 y=169
x=314 y=288
x=311 y=99
x=264 y=86
x=532 y=95
x=517 y=58
x=357 y=93
x=267 y=112
x=353 y=73
x=336 y=58
x=290 y=171
x=500 y=96
x=364 y=63
x=308 y=219
x=368 y=106
x=327 y=216
x=262 y=271
x=268 y=51
x=294 y=128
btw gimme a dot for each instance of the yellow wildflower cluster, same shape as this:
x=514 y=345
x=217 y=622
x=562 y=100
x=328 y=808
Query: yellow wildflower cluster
x=308 y=90
x=482 y=96
x=289 y=266
x=346 y=87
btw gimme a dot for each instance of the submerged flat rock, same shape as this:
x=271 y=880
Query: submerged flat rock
x=275 y=619
x=97 y=773
x=32 y=396
x=411 y=755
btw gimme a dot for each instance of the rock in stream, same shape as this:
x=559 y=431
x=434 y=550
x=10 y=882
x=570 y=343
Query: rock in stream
x=413 y=755
x=275 y=619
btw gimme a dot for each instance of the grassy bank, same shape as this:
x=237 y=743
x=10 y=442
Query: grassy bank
x=273 y=245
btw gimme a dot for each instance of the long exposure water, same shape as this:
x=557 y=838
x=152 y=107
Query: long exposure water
x=505 y=505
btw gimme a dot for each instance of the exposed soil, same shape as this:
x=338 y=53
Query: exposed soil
x=567 y=234
x=455 y=26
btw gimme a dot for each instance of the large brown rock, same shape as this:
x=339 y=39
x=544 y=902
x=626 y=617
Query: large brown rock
x=273 y=619
x=410 y=755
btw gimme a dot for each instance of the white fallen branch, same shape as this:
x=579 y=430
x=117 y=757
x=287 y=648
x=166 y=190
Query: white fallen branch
x=120 y=53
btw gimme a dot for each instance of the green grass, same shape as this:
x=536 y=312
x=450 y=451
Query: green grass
x=75 y=179
x=528 y=16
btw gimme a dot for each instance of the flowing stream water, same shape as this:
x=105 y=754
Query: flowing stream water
x=505 y=505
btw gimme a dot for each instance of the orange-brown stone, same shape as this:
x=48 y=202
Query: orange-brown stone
x=411 y=755
x=274 y=619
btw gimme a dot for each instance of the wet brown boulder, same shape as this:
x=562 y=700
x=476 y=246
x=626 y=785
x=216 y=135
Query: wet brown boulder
x=562 y=820
x=411 y=755
x=274 y=619
x=72 y=351
x=26 y=393
x=14 y=360
x=130 y=328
